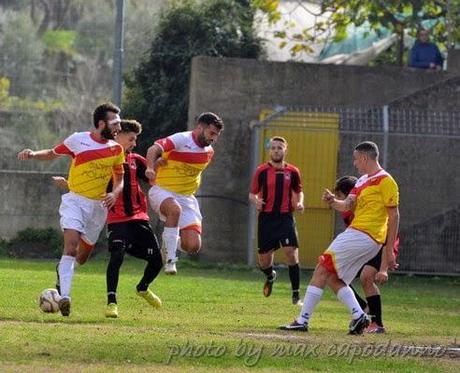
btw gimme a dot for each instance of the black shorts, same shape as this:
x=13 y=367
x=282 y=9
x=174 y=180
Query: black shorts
x=374 y=262
x=276 y=230
x=134 y=237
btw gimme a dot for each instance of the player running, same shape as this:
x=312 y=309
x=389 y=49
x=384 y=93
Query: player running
x=96 y=159
x=175 y=164
x=277 y=191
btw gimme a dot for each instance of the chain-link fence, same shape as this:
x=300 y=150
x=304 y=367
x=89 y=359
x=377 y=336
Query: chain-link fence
x=421 y=150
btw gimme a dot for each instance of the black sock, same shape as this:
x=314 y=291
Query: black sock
x=361 y=301
x=111 y=298
x=268 y=272
x=151 y=271
x=294 y=276
x=375 y=309
x=112 y=275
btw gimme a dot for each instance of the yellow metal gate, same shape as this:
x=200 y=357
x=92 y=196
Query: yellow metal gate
x=313 y=145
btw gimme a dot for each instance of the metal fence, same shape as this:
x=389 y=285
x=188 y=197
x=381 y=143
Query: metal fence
x=421 y=150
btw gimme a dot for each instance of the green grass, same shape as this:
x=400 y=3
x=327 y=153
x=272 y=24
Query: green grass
x=214 y=318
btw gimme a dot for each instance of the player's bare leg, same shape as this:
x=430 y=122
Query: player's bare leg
x=190 y=241
x=292 y=260
x=372 y=293
x=84 y=251
x=171 y=210
x=66 y=268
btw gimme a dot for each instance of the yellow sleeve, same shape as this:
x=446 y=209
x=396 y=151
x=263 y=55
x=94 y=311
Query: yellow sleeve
x=390 y=192
x=120 y=159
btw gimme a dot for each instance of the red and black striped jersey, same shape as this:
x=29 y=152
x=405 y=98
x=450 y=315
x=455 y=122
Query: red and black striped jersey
x=131 y=203
x=275 y=186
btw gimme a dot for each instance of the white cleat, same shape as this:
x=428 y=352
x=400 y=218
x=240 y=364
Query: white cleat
x=170 y=267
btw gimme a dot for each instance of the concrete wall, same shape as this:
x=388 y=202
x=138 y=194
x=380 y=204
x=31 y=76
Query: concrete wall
x=29 y=199
x=239 y=89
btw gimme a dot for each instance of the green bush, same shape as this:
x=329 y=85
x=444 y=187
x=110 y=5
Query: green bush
x=36 y=243
x=157 y=90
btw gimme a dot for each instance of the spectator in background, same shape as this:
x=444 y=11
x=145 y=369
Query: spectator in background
x=424 y=54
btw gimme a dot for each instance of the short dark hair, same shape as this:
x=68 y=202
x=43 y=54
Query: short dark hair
x=368 y=147
x=209 y=118
x=280 y=139
x=345 y=184
x=131 y=125
x=100 y=113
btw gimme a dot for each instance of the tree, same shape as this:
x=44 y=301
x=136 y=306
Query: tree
x=397 y=16
x=157 y=90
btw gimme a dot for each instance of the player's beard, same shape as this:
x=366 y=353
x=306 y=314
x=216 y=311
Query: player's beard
x=203 y=140
x=277 y=160
x=107 y=134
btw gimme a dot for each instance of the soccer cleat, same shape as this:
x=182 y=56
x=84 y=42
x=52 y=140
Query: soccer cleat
x=111 y=311
x=64 y=306
x=58 y=286
x=269 y=284
x=374 y=328
x=170 y=267
x=148 y=295
x=295 y=326
x=296 y=301
x=358 y=325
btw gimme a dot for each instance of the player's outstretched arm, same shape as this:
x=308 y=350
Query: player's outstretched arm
x=346 y=205
x=41 y=155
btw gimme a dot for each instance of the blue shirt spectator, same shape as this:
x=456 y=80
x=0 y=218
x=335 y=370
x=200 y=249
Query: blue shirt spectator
x=424 y=54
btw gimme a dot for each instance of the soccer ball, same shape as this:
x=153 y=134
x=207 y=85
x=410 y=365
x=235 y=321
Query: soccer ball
x=48 y=301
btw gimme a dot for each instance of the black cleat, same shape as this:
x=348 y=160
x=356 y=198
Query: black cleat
x=269 y=284
x=64 y=306
x=295 y=326
x=296 y=300
x=357 y=326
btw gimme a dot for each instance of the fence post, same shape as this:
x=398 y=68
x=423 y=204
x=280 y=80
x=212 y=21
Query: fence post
x=386 y=130
x=252 y=213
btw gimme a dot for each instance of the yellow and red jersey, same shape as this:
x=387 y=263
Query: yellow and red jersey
x=186 y=161
x=93 y=163
x=374 y=193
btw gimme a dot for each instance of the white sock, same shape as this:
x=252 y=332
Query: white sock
x=170 y=237
x=312 y=297
x=347 y=297
x=66 y=270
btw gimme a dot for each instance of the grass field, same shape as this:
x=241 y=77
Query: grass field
x=215 y=319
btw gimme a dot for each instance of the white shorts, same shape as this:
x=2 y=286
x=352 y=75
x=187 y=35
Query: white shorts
x=84 y=215
x=349 y=251
x=190 y=217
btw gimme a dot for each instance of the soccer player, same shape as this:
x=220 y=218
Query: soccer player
x=277 y=191
x=175 y=164
x=367 y=273
x=128 y=228
x=96 y=159
x=375 y=200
